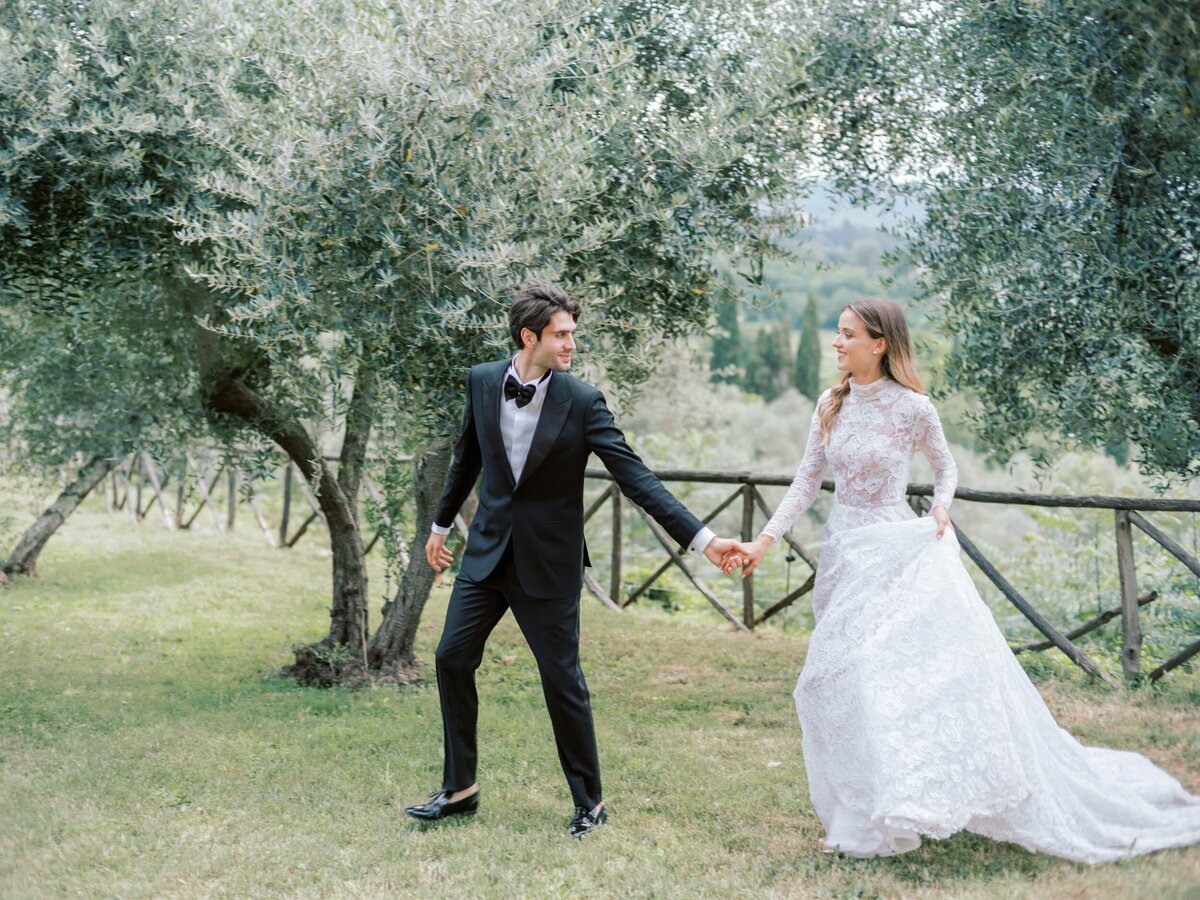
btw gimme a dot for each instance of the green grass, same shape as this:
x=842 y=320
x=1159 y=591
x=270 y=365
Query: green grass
x=147 y=750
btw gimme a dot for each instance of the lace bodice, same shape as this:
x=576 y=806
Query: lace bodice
x=870 y=447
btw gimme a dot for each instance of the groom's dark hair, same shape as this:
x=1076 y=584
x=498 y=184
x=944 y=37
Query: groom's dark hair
x=534 y=306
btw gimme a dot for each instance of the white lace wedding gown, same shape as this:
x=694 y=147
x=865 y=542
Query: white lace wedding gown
x=917 y=719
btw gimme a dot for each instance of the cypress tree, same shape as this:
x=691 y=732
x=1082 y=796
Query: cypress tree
x=769 y=365
x=726 y=360
x=808 y=355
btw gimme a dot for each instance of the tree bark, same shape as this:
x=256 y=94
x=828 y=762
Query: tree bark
x=230 y=375
x=392 y=651
x=348 y=616
x=359 y=418
x=23 y=560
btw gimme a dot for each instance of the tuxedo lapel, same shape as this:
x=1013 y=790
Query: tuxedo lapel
x=550 y=423
x=490 y=401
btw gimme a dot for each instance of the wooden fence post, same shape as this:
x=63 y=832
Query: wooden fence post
x=231 y=510
x=748 y=535
x=121 y=473
x=1131 y=653
x=262 y=520
x=615 y=580
x=181 y=492
x=135 y=501
x=206 y=498
x=157 y=486
x=287 y=503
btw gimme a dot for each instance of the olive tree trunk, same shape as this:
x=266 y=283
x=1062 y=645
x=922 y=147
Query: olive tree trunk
x=225 y=391
x=392 y=651
x=23 y=560
x=348 y=614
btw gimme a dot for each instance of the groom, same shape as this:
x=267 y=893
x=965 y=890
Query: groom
x=529 y=428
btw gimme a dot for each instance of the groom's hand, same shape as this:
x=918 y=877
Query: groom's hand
x=717 y=550
x=437 y=554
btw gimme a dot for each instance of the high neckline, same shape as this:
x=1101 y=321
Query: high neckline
x=866 y=391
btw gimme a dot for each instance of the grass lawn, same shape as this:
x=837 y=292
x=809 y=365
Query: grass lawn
x=147 y=750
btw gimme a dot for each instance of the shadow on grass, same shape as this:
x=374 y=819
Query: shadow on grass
x=466 y=820
x=962 y=857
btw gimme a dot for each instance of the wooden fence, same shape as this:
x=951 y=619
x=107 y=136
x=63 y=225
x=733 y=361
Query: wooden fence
x=138 y=485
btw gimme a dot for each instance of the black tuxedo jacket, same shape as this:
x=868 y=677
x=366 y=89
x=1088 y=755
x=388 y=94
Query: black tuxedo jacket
x=543 y=514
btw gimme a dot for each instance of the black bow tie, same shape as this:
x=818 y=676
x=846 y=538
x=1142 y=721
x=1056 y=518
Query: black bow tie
x=522 y=393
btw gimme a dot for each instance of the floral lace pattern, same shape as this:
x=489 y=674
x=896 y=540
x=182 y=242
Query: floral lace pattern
x=917 y=719
x=870 y=448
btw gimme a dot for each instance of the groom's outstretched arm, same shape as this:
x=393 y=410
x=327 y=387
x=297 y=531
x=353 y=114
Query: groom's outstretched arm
x=464 y=470
x=640 y=485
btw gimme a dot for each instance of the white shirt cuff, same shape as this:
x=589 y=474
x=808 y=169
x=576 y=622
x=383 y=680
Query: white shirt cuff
x=702 y=539
x=438 y=529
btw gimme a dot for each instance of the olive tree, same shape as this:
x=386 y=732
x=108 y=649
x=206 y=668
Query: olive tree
x=84 y=392
x=1056 y=149
x=94 y=148
x=445 y=156
x=325 y=208
x=1065 y=234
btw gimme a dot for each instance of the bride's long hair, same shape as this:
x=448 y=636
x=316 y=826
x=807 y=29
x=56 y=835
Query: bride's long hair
x=884 y=319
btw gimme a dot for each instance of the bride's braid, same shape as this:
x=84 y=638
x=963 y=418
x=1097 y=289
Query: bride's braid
x=833 y=405
x=884 y=319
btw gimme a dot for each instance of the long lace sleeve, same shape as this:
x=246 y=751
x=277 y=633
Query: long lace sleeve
x=805 y=485
x=932 y=442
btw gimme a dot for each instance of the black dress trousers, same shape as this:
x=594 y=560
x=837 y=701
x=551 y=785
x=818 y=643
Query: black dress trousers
x=551 y=628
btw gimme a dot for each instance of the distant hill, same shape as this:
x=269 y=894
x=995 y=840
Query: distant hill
x=841 y=259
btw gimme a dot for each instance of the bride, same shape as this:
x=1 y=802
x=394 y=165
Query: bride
x=917 y=719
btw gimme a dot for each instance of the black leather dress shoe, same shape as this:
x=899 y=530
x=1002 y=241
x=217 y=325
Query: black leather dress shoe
x=587 y=820
x=439 y=807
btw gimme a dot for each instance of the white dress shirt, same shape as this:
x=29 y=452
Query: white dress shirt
x=517 y=423
x=517 y=426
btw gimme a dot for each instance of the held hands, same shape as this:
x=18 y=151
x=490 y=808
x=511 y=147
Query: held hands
x=727 y=554
x=437 y=554
x=718 y=550
x=724 y=553
x=748 y=555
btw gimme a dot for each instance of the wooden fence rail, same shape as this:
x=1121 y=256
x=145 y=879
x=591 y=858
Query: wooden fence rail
x=139 y=476
x=125 y=488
